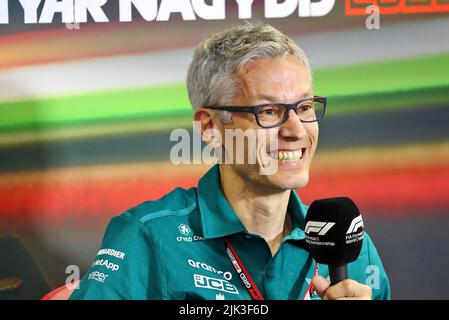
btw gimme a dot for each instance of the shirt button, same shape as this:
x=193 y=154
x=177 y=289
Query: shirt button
x=270 y=273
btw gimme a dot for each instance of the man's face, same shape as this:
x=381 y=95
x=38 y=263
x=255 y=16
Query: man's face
x=276 y=80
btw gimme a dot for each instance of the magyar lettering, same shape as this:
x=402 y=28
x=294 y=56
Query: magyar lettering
x=77 y=11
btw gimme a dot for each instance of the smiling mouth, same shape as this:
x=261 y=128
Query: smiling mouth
x=291 y=155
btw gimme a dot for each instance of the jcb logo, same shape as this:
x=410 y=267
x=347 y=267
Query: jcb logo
x=358 y=7
x=214 y=284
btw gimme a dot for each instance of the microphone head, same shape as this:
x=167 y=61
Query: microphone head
x=334 y=231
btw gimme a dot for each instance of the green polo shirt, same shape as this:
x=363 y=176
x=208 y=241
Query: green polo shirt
x=172 y=248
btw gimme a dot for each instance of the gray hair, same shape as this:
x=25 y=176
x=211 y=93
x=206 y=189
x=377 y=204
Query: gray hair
x=210 y=78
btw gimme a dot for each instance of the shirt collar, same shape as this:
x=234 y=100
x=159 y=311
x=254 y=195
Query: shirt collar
x=298 y=213
x=219 y=219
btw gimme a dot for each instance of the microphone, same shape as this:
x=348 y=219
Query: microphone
x=334 y=234
x=20 y=277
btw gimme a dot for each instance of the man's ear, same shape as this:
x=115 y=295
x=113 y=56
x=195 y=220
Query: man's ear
x=209 y=126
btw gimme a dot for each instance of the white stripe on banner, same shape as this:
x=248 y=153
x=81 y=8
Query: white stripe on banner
x=392 y=41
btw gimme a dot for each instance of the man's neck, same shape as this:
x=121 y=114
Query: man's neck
x=261 y=212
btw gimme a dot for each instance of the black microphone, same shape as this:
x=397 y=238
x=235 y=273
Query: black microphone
x=20 y=276
x=334 y=234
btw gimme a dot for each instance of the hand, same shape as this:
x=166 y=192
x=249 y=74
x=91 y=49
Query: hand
x=344 y=290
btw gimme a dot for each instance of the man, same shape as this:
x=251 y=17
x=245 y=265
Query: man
x=189 y=244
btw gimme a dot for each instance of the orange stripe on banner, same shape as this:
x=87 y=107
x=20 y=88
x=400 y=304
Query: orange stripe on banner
x=59 y=45
x=399 y=191
x=415 y=190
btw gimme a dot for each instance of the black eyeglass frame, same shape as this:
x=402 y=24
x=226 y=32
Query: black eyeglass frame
x=289 y=106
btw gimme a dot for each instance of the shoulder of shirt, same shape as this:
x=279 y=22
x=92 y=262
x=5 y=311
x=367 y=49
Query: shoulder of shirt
x=367 y=239
x=368 y=248
x=178 y=202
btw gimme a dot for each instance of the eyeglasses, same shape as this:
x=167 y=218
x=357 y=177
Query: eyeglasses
x=270 y=115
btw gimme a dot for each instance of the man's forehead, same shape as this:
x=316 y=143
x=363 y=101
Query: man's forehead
x=256 y=64
x=274 y=79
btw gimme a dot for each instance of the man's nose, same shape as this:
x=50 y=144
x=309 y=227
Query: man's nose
x=293 y=127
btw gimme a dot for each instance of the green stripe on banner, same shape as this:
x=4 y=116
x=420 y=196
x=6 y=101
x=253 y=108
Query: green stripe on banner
x=342 y=105
x=387 y=76
x=362 y=87
x=161 y=101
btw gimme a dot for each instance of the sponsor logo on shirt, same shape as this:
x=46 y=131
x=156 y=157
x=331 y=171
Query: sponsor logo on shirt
x=219 y=296
x=201 y=265
x=184 y=229
x=98 y=276
x=186 y=234
x=112 y=253
x=201 y=281
x=106 y=263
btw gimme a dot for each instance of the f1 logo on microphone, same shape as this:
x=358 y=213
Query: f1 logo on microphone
x=356 y=224
x=318 y=227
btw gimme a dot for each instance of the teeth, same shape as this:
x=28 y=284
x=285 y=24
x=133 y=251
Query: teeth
x=287 y=155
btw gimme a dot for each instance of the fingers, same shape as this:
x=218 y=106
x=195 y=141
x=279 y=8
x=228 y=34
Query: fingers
x=344 y=290
x=320 y=285
x=348 y=290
